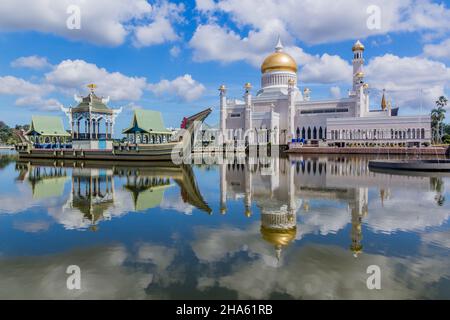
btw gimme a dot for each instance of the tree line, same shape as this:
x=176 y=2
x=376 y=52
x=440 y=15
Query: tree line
x=8 y=135
x=440 y=131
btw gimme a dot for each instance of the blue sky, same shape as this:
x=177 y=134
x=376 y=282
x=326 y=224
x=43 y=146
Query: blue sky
x=172 y=56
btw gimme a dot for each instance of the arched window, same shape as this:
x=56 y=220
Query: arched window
x=422 y=133
x=303 y=133
x=314 y=133
x=298 y=133
x=309 y=133
x=320 y=133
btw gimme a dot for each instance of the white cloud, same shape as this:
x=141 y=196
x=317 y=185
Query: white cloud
x=325 y=69
x=32 y=226
x=31 y=62
x=37 y=102
x=103 y=22
x=440 y=50
x=213 y=43
x=314 y=21
x=396 y=214
x=205 y=5
x=71 y=75
x=405 y=77
x=175 y=51
x=184 y=87
x=335 y=92
x=28 y=94
x=16 y=86
x=176 y=203
x=161 y=29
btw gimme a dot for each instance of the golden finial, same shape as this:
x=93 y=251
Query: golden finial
x=383 y=101
x=248 y=86
x=92 y=86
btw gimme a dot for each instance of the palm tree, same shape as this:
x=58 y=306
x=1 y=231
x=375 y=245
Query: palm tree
x=437 y=119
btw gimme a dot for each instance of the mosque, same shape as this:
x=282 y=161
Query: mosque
x=281 y=113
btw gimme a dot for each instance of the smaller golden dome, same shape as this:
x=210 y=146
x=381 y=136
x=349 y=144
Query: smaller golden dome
x=222 y=88
x=360 y=74
x=358 y=46
x=248 y=213
x=278 y=237
x=366 y=85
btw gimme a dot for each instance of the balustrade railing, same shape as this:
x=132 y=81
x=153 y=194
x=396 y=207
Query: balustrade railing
x=92 y=136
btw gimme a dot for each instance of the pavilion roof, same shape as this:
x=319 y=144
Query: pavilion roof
x=96 y=103
x=148 y=121
x=47 y=126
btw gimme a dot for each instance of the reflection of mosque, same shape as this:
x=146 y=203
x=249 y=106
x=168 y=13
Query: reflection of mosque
x=281 y=187
x=92 y=193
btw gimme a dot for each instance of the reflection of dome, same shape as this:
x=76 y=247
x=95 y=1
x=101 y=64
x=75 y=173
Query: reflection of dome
x=356 y=249
x=278 y=237
x=279 y=61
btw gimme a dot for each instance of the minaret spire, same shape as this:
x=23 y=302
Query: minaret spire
x=279 y=46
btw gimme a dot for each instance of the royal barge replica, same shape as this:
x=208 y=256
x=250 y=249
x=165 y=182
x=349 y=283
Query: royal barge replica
x=147 y=138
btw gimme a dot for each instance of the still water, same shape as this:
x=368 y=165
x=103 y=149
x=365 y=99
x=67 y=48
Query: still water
x=288 y=228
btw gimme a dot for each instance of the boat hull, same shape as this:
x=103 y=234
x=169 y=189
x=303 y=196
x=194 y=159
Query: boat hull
x=162 y=152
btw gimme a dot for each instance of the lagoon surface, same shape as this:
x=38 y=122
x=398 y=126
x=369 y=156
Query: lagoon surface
x=282 y=228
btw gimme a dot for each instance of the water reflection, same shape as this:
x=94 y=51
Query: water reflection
x=298 y=227
x=93 y=193
x=280 y=187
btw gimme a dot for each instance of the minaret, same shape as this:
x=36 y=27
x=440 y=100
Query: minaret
x=291 y=109
x=359 y=209
x=248 y=111
x=358 y=79
x=223 y=188
x=223 y=112
x=358 y=63
x=248 y=190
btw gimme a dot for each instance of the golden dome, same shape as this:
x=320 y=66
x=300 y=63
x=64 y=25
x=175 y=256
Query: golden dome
x=360 y=74
x=279 y=61
x=358 y=46
x=278 y=237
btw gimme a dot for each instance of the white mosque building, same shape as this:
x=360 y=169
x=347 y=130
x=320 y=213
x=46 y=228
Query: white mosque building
x=282 y=113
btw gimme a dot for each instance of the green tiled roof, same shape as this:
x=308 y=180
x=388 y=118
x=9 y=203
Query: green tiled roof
x=148 y=121
x=51 y=187
x=95 y=102
x=150 y=198
x=47 y=126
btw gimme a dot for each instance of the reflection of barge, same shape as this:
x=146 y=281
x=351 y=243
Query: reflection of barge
x=143 y=178
x=122 y=151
